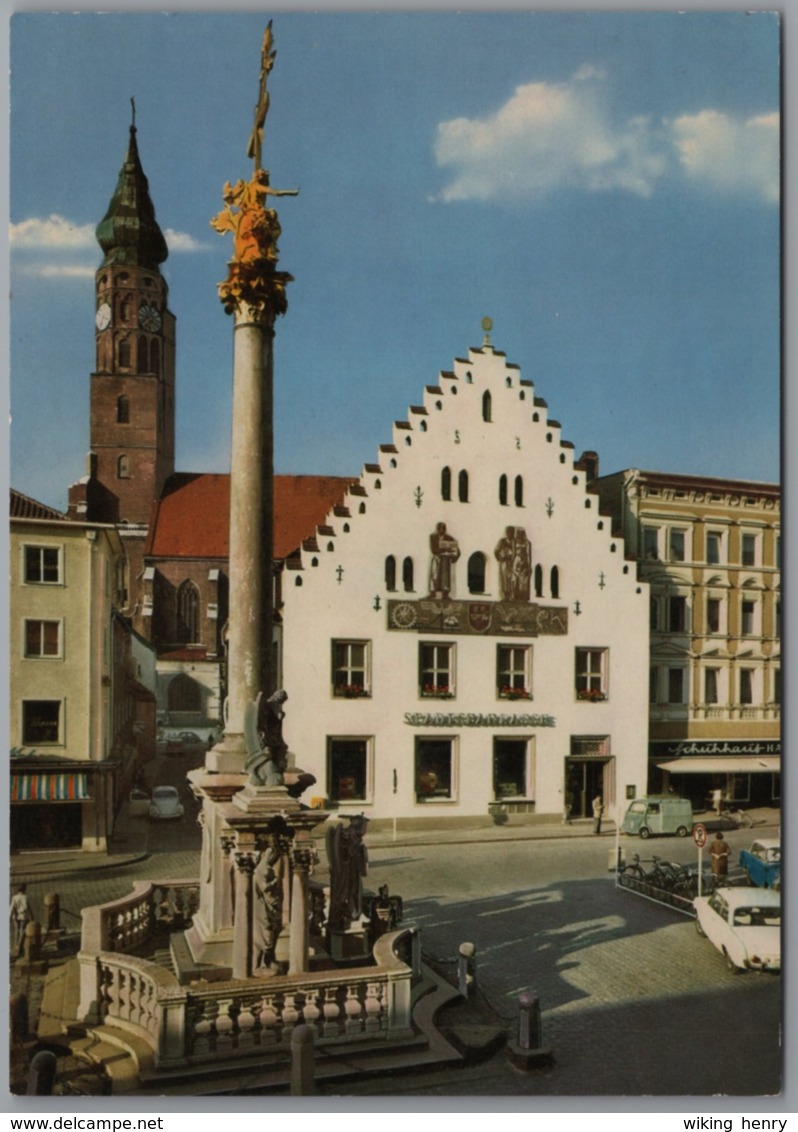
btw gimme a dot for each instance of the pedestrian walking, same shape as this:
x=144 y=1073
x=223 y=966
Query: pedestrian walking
x=717 y=801
x=20 y=914
x=598 y=813
x=719 y=856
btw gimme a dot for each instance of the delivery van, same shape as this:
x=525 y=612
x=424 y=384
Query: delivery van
x=659 y=814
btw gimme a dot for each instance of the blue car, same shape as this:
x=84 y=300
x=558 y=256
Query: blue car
x=762 y=863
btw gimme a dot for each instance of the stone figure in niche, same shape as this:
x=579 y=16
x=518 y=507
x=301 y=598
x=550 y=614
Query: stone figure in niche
x=514 y=555
x=348 y=860
x=267 y=752
x=445 y=552
x=267 y=918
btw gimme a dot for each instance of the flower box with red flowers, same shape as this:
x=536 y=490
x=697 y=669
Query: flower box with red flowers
x=514 y=694
x=592 y=695
x=351 y=692
x=437 y=692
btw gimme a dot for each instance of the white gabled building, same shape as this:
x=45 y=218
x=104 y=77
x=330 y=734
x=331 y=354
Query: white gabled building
x=464 y=634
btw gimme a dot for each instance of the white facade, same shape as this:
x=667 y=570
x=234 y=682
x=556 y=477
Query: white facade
x=430 y=687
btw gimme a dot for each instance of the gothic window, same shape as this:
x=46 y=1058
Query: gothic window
x=122 y=410
x=519 y=491
x=476 y=572
x=538 y=581
x=390 y=572
x=188 y=605
x=155 y=357
x=142 y=355
x=486 y=406
x=462 y=487
x=555 y=581
x=124 y=352
x=446 y=484
x=503 y=490
x=123 y=468
x=185 y=694
x=407 y=575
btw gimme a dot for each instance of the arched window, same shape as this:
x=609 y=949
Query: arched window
x=123 y=468
x=476 y=572
x=188 y=605
x=361 y=509
x=519 y=491
x=503 y=490
x=538 y=581
x=142 y=355
x=446 y=484
x=184 y=694
x=555 y=581
x=407 y=575
x=390 y=572
x=155 y=357
x=122 y=410
x=124 y=352
x=462 y=487
x=486 y=406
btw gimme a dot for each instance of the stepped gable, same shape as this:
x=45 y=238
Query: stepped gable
x=23 y=507
x=192 y=518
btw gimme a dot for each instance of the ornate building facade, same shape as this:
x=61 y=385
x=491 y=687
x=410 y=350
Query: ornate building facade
x=710 y=551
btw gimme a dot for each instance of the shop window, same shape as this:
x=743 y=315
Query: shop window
x=434 y=770
x=348 y=769
x=510 y=768
x=123 y=410
x=407 y=575
x=446 y=484
x=188 y=610
x=477 y=565
x=42 y=638
x=41 y=721
x=514 y=672
x=591 y=674
x=748 y=550
x=350 y=669
x=42 y=565
x=390 y=572
x=436 y=671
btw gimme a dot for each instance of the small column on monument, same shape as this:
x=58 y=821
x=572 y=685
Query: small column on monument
x=243 y=919
x=303 y=859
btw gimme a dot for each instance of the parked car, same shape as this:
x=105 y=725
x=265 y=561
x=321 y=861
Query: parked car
x=659 y=814
x=183 y=740
x=762 y=862
x=165 y=804
x=745 y=926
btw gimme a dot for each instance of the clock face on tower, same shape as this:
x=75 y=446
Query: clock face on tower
x=149 y=317
x=103 y=317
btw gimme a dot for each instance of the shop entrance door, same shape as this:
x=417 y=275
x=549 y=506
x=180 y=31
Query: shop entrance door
x=584 y=779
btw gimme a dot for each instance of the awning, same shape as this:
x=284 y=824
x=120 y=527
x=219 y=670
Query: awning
x=60 y=786
x=731 y=765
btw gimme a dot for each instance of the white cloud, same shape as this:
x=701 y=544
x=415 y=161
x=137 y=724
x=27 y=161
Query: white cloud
x=553 y=136
x=182 y=242
x=730 y=154
x=54 y=232
x=61 y=270
x=548 y=137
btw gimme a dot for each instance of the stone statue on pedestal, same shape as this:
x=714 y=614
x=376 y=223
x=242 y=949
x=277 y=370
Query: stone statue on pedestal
x=267 y=752
x=348 y=859
x=267 y=917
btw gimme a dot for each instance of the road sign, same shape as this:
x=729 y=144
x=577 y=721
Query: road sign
x=700 y=835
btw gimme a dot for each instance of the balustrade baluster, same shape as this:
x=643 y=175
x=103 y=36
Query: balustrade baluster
x=373 y=1008
x=268 y=1020
x=225 y=1027
x=353 y=1009
x=332 y=1012
x=311 y=1012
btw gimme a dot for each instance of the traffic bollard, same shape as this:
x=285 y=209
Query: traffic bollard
x=467 y=969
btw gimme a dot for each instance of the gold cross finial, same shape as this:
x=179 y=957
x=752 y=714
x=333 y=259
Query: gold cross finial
x=267 y=57
x=487 y=326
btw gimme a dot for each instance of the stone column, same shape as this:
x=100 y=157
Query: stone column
x=242 y=927
x=302 y=861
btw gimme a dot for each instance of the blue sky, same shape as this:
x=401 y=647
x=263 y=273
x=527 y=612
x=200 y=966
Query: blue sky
x=603 y=186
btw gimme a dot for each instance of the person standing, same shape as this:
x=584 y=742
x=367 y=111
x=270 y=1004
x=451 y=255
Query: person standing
x=598 y=813
x=21 y=915
x=719 y=856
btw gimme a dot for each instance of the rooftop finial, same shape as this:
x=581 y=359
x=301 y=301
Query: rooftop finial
x=133 y=113
x=267 y=57
x=487 y=326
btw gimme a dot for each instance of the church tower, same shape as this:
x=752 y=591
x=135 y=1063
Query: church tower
x=133 y=388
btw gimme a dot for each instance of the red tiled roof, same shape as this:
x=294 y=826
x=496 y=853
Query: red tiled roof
x=23 y=507
x=191 y=520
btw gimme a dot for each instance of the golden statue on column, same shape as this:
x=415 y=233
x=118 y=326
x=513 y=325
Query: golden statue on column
x=252 y=277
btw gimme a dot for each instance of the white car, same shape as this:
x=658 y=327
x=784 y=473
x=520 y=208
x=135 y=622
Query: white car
x=745 y=926
x=165 y=804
